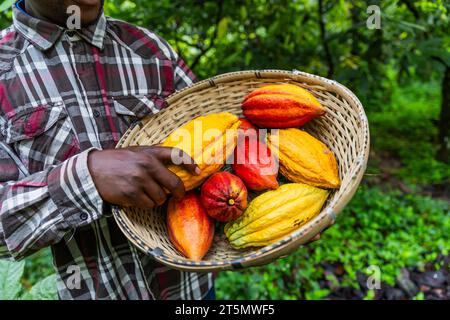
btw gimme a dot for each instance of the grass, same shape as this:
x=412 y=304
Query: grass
x=406 y=130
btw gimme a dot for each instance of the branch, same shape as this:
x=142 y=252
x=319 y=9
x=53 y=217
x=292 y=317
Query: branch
x=213 y=38
x=440 y=60
x=411 y=8
x=180 y=53
x=190 y=44
x=323 y=37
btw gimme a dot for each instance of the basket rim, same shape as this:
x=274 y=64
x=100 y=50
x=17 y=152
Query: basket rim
x=323 y=220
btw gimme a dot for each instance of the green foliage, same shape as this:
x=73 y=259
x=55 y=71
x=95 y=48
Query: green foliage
x=389 y=230
x=11 y=287
x=37 y=267
x=405 y=129
x=5 y=5
x=10 y=274
x=43 y=290
x=220 y=36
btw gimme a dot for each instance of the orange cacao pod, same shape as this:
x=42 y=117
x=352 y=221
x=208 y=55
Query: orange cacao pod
x=190 y=228
x=281 y=106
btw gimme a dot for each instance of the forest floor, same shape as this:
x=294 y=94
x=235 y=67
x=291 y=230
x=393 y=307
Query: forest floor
x=387 y=179
x=430 y=284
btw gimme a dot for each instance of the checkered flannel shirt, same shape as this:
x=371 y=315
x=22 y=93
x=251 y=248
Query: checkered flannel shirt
x=64 y=93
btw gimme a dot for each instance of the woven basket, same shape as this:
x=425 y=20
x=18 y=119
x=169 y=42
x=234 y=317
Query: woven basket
x=344 y=129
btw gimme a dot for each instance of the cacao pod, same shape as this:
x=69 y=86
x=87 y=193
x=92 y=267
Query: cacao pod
x=305 y=159
x=254 y=164
x=190 y=228
x=275 y=214
x=224 y=196
x=247 y=127
x=281 y=106
x=209 y=140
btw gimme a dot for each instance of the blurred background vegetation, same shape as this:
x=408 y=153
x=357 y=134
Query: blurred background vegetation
x=399 y=218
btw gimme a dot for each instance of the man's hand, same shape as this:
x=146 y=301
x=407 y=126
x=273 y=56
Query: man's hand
x=137 y=176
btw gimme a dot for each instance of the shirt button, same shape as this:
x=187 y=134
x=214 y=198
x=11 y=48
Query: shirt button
x=96 y=113
x=83 y=216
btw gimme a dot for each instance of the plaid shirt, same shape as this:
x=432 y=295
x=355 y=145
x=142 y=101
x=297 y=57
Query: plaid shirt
x=62 y=94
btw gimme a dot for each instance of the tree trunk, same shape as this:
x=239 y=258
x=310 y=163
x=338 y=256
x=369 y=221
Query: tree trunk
x=444 y=119
x=374 y=54
x=323 y=37
x=355 y=17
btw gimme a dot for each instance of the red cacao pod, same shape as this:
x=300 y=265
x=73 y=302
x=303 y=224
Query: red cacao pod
x=281 y=106
x=190 y=228
x=255 y=165
x=224 y=196
x=247 y=127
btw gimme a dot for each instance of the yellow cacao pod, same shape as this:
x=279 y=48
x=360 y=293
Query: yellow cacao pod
x=304 y=159
x=275 y=214
x=209 y=140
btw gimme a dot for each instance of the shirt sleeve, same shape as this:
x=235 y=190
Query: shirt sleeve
x=39 y=209
x=183 y=76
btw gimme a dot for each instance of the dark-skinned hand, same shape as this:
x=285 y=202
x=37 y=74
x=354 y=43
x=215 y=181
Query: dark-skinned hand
x=137 y=176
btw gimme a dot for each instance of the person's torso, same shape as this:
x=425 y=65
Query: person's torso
x=74 y=96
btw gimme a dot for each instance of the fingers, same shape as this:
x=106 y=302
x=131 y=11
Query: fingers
x=155 y=192
x=166 y=178
x=159 y=177
x=132 y=195
x=144 y=202
x=177 y=157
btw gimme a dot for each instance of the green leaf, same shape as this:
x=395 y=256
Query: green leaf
x=419 y=296
x=127 y=5
x=6 y=5
x=317 y=294
x=243 y=12
x=222 y=27
x=10 y=274
x=43 y=290
x=370 y=295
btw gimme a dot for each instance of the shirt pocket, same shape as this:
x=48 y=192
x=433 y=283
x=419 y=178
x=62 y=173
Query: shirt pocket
x=41 y=136
x=132 y=108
